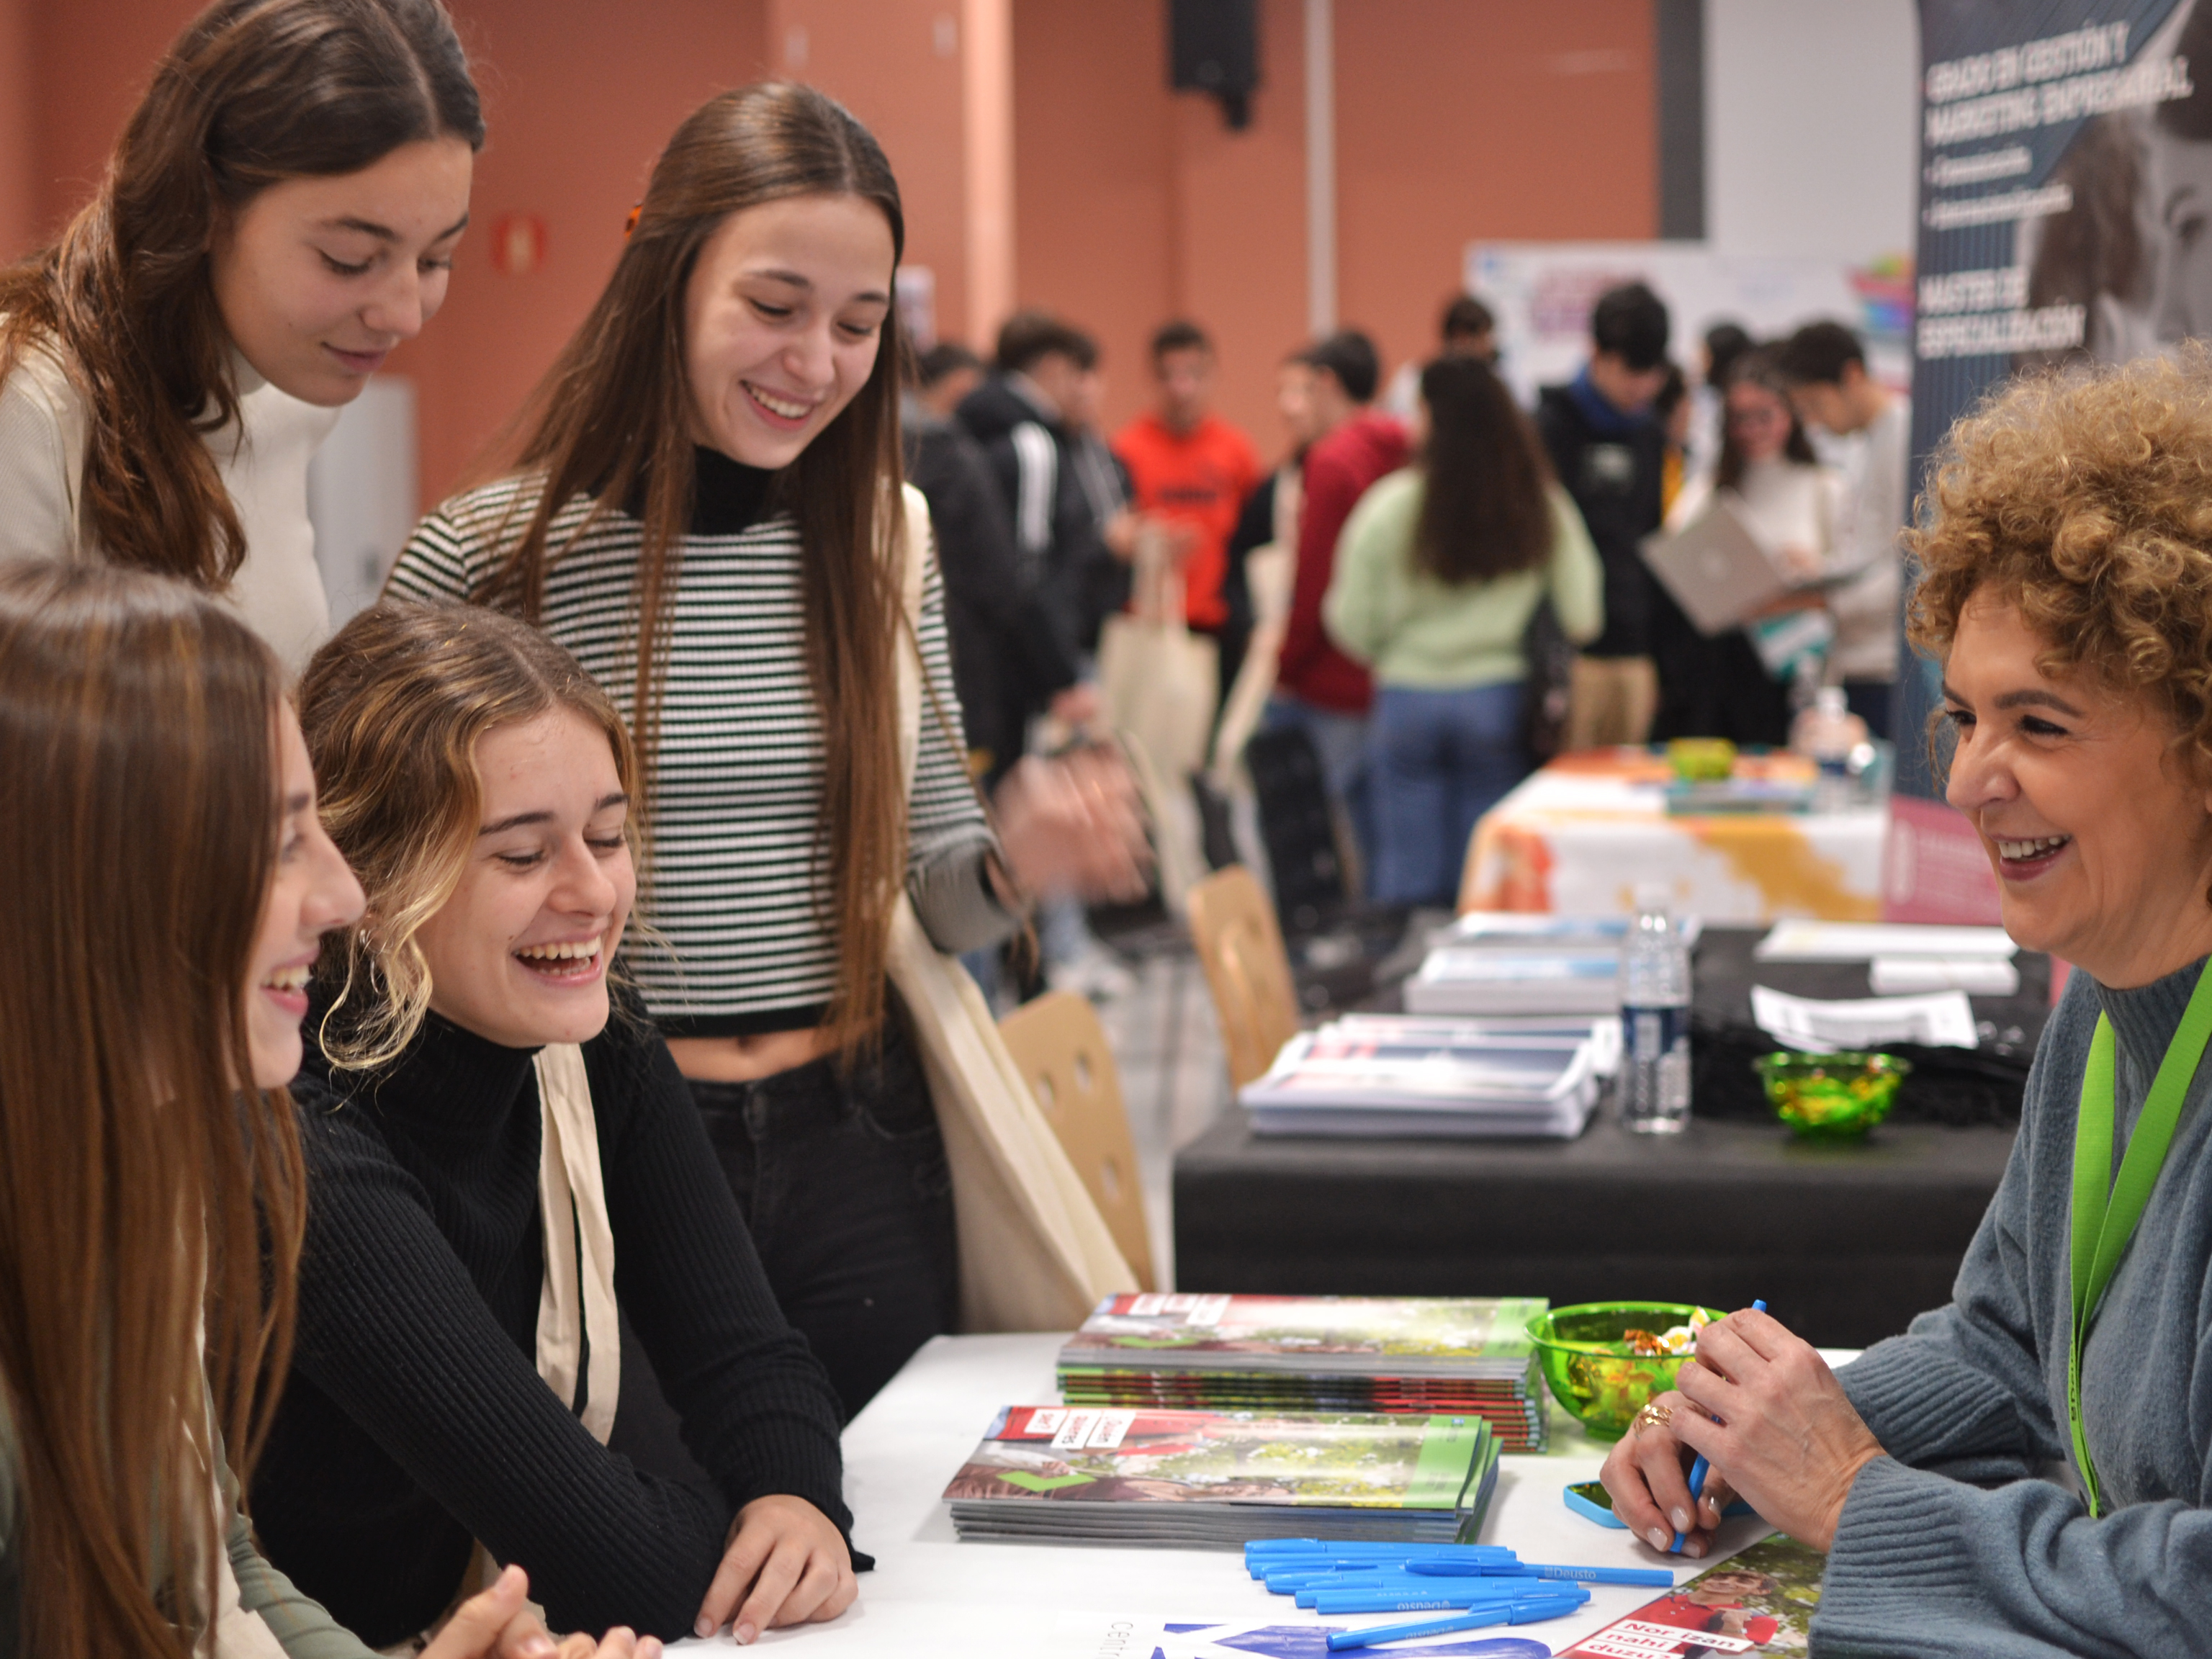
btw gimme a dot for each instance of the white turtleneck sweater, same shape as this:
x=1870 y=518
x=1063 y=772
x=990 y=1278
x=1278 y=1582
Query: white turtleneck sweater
x=262 y=457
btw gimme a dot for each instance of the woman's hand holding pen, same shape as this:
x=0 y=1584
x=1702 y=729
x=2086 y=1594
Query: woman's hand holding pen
x=1767 y=1413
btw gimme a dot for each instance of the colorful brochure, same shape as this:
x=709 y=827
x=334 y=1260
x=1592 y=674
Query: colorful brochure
x=1760 y=1601
x=1208 y=1478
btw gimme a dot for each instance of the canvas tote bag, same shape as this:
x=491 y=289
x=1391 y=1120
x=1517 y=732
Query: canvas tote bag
x=576 y=1297
x=1159 y=680
x=1035 y=1253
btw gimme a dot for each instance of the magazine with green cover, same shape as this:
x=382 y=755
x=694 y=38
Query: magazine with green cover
x=1761 y=1601
x=1422 y=1355
x=1512 y=1409
x=1377 y=1335
x=1207 y=1477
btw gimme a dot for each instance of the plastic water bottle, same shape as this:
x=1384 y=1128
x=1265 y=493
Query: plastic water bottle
x=1828 y=732
x=1655 y=1019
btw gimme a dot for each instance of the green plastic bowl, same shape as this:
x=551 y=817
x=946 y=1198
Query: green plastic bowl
x=1831 y=1097
x=1600 y=1387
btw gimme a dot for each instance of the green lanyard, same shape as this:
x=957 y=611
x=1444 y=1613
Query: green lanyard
x=2101 y=1229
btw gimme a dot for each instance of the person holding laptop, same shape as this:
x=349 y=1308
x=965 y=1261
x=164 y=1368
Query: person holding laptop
x=1735 y=684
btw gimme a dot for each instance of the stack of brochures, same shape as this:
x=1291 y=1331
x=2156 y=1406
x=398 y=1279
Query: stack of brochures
x=1415 y=1354
x=1500 y=962
x=1408 y=1074
x=1191 y=1479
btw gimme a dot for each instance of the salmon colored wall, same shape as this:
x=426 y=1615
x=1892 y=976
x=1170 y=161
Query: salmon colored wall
x=93 y=59
x=580 y=96
x=19 y=203
x=1466 y=120
x=1133 y=204
x=896 y=65
x=1455 y=120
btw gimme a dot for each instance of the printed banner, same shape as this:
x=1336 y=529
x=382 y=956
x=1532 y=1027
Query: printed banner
x=2066 y=151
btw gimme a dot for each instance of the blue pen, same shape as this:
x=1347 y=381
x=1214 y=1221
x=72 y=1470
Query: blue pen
x=1526 y=1613
x=1422 y=1592
x=1655 y=1577
x=1285 y=1551
x=1282 y=1582
x=1698 y=1469
x=1338 y=1561
x=1277 y=1549
x=1331 y=1603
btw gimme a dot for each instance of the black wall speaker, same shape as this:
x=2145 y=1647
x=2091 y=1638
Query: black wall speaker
x=1213 y=46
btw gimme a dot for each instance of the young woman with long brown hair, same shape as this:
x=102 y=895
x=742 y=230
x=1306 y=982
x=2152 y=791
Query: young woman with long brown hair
x=1438 y=572
x=166 y=885
x=704 y=511
x=480 y=784
x=1723 y=685
x=281 y=211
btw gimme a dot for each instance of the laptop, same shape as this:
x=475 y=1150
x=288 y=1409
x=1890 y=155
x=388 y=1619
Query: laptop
x=1715 y=570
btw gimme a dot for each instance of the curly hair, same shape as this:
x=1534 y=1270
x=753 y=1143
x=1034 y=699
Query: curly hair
x=392 y=708
x=2084 y=496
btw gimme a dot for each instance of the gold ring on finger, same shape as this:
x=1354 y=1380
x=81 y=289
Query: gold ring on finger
x=1654 y=1416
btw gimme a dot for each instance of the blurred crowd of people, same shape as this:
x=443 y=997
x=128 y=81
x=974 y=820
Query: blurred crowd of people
x=1387 y=585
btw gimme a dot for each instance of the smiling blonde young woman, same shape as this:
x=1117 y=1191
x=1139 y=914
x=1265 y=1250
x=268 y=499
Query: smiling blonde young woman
x=159 y=810
x=2067 y=590
x=282 y=210
x=464 y=1158
x=705 y=510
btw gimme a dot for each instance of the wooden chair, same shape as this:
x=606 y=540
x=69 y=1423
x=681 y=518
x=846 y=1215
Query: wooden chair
x=1061 y=1049
x=1247 y=968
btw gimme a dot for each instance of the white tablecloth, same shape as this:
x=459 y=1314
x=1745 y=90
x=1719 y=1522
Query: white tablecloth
x=1580 y=835
x=932 y=1597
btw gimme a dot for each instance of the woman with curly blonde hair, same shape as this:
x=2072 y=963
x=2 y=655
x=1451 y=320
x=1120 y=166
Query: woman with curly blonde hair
x=2066 y=589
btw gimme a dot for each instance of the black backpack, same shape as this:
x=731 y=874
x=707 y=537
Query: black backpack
x=1551 y=659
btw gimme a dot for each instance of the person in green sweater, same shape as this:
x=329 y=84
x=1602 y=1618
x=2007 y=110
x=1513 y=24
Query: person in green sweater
x=167 y=885
x=1438 y=572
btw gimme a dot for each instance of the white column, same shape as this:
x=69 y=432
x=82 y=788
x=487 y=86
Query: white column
x=1321 y=166
x=987 y=121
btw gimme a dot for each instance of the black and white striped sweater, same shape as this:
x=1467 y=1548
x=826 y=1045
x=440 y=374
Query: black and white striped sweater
x=741 y=896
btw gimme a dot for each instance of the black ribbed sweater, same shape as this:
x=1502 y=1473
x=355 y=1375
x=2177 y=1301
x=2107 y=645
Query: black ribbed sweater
x=414 y=1420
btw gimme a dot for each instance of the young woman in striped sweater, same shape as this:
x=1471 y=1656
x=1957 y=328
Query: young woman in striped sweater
x=699 y=511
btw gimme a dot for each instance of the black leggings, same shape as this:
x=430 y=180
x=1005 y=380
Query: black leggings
x=843 y=1180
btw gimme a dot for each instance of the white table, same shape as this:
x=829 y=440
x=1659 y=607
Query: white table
x=934 y=1597
x=1578 y=837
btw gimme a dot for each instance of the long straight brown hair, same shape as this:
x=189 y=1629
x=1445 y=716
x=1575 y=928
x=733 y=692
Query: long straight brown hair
x=1484 y=509
x=138 y=806
x=253 y=92
x=611 y=421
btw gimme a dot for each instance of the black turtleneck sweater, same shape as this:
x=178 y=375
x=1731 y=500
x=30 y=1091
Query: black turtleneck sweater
x=414 y=1420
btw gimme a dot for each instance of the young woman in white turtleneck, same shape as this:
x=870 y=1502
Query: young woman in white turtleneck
x=1718 y=685
x=1787 y=501
x=280 y=212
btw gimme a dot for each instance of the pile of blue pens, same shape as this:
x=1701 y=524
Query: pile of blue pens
x=1478 y=1584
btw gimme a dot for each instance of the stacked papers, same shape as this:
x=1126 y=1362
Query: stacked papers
x=1501 y=962
x=1802 y=940
x=1357 y=1353
x=1402 y=1074
x=1945 y=1020
x=1193 y=1478
x=1456 y=982
x=1903 y=959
